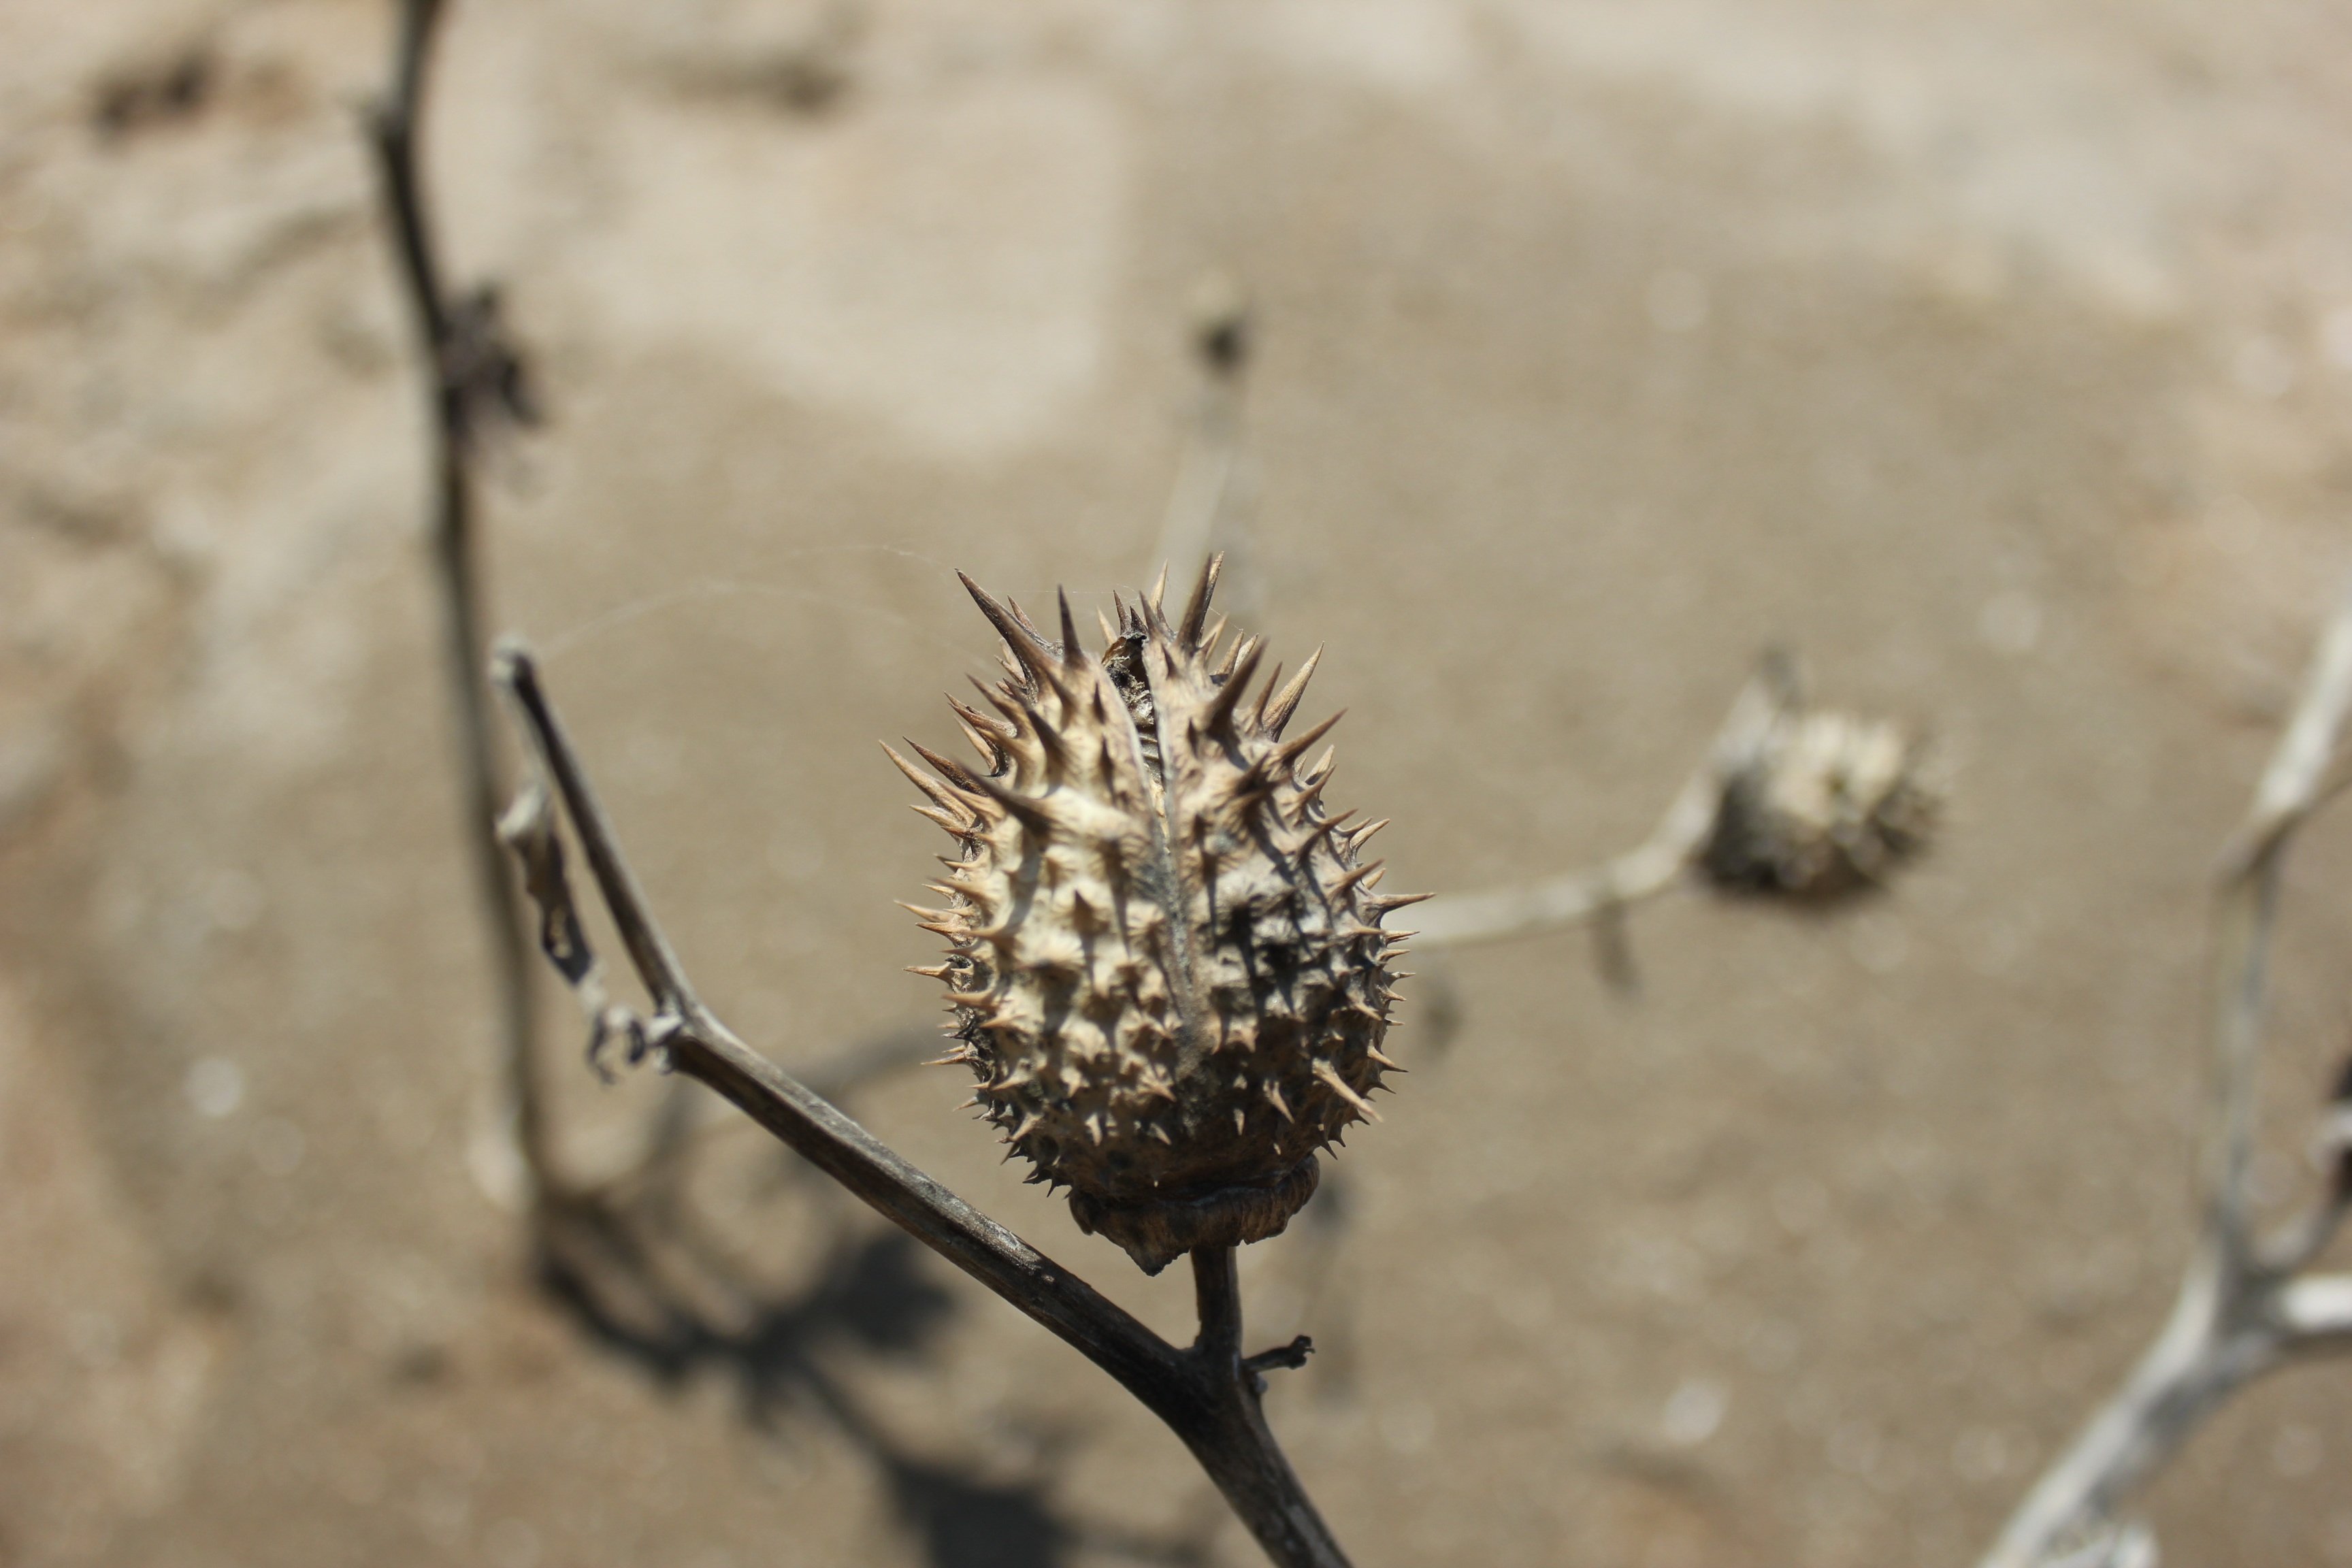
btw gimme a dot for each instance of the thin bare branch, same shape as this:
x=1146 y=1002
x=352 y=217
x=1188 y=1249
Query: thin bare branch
x=442 y=326
x=2298 y=777
x=1205 y=1393
x=1655 y=866
x=2238 y=1313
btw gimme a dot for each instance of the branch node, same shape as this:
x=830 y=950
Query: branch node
x=1290 y=1357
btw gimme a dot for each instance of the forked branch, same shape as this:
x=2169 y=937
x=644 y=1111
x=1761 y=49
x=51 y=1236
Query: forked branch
x=1206 y=1393
x=2245 y=1306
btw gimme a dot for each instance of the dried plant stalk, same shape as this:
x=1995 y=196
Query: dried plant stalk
x=1207 y=1393
x=477 y=381
x=2245 y=1306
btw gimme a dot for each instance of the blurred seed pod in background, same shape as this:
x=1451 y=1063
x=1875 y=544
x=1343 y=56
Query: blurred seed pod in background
x=1826 y=803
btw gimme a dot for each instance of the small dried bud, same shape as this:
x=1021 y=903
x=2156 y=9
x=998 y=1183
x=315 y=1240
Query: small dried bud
x=1826 y=803
x=1166 y=960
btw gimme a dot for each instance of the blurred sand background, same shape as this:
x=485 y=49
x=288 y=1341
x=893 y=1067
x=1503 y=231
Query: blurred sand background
x=1998 y=357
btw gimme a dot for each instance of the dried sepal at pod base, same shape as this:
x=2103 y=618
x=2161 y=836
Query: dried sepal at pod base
x=1166 y=957
x=1826 y=803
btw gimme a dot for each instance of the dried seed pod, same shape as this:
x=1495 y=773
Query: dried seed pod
x=1825 y=803
x=1166 y=960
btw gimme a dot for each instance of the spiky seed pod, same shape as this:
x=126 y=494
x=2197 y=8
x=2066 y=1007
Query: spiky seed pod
x=1826 y=803
x=1166 y=958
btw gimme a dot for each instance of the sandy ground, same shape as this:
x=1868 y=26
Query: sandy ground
x=1998 y=357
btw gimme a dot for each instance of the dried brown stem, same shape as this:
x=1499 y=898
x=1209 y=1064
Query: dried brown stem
x=457 y=381
x=1229 y=1434
x=1206 y=1394
x=2242 y=1309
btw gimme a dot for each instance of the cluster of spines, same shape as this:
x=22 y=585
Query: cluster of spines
x=1166 y=958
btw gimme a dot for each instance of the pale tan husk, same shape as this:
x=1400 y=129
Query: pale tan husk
x=1166 y=958
x=1828 y=803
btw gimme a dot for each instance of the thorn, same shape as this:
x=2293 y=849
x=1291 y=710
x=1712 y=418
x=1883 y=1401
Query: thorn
x=929 y=971
x=1156 y=627
x=1241 y=1123
x=1327 y=831
x=1363 y=836
x=960 y=824
x=1372 y=1054
x=1218 y=714
x=1196 y=608
x=1257 y=719
x=1162 y=1133
x=997 y=936
x=1109 y=632
x=981 y=722
x=1057 y=749
x=992 y=755
x=1330 y=1076
x=1159 y=588
x=1274 y=1097
x=1386 y=901
x=1308 y=794
x=1347 y=884
x=1276 y=711
x=1073 y=656
x=1233 y=655
x=1008 y=702
x=921 y=780
x=957 y=777
x=1288 y=756
x=1032 y=654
